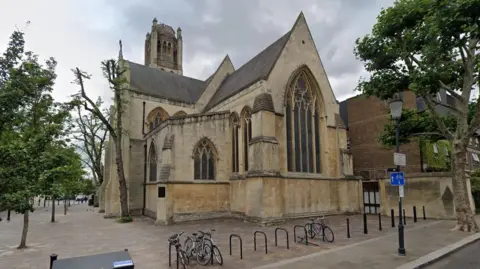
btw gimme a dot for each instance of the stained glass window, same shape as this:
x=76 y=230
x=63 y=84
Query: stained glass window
x=204 y=160
x=302 y=127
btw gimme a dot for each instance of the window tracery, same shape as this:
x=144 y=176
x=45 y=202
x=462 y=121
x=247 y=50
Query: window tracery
x=156 y=117
x=302 y=127
x=204 y=160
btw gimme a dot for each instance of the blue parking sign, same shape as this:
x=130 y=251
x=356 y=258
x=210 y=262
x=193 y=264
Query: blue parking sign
x=397 y=179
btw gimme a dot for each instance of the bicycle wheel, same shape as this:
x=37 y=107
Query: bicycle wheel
x=204 y=254
x=188 y=247
x=183 y=258
x=217 y=255
x=328 y=234
x=317 y=228
x=310 y=231
x=208 y=241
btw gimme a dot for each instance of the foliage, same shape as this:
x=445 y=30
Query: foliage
x=426 y=46
x=88 y=187
x=64 y=178
x=32 y=129
x=439 y=161
x=125 y=219
x=91 y=134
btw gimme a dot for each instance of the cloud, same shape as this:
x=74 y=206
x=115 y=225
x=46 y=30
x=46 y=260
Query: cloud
x=83 y=33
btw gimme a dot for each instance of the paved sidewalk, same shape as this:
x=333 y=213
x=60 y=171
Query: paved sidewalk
x=380 y=252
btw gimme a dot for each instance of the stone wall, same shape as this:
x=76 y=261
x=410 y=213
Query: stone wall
x=432 y=190
x=199 y=200
x=274 y=199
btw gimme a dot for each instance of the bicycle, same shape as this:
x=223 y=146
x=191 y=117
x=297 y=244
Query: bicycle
x=318 y=227
x=181 y=255
x=215 y=250
x=199 y=247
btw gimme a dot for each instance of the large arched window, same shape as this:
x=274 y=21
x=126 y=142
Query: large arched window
x=204 y=158
x=247 y=134
x=234 y=125
x=156 y=117
x=153 y=163
x=302 y=126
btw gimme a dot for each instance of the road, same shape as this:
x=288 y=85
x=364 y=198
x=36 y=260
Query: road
x=467 y=258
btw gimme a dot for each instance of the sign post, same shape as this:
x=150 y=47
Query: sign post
x=398 y=179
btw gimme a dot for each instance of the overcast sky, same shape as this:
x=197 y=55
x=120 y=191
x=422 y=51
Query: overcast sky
x=83 y=33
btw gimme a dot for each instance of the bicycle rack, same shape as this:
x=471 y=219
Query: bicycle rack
x=276 y=232
x=170 y=255
x=241 y=247
x=295 y=235
x=255 y=240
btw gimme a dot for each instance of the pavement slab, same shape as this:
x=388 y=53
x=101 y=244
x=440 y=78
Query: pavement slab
x=85 y=232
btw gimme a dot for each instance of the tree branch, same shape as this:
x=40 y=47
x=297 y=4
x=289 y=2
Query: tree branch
x=451 y=92
x=444 y=104
x=438 y=119
x=93 y=109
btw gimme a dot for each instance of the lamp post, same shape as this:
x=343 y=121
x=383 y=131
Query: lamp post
x=396 y=105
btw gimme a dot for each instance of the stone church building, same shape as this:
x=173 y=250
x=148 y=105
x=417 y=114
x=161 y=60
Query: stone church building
x=263 y=142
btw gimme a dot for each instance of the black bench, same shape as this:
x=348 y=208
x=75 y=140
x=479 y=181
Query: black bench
x=112 y=260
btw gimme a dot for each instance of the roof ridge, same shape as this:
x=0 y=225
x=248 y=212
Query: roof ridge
x=264 y=50
x=169 y=73
x=255 y=69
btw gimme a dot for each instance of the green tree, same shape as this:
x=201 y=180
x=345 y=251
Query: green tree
x=114 y=74
x=62 y=173
x=33 y=123
x=427 y=46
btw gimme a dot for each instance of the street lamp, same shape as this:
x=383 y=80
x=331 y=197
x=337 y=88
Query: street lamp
x=396 y=105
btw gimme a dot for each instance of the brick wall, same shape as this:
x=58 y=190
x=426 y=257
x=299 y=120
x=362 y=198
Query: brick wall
x=367 y=117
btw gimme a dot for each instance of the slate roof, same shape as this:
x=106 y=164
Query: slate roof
x=343 y=107
x=257 y=68
x=158 y=83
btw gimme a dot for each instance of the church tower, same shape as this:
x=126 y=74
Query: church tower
x=163 y=48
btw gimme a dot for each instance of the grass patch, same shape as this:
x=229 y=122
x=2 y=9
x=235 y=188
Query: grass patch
x=126 y=219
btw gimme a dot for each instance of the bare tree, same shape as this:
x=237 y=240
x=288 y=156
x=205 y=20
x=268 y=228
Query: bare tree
x=114 y=74
x=91 y=134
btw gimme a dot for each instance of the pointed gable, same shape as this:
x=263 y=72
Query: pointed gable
x=214 y=82
x=257 y=68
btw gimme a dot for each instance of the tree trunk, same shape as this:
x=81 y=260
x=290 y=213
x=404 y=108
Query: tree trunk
x=121 y=180
x=23 y=242
x=53 y=209
x=44 y=202
x=465 y=217
x=65 y=206
x=119 y=157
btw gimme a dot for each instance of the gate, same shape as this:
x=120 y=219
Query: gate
x=371 y=197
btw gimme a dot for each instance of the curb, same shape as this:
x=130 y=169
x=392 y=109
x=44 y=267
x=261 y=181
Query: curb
x=441 y=253
x=333 y=250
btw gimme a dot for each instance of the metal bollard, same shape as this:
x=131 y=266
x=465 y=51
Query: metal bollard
x=379 y=221
x=365 y=229
x=392 y=215
x=8 y=215
x=424 y=217
x=53 y=258
x=414 y=214
x=348 y=228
